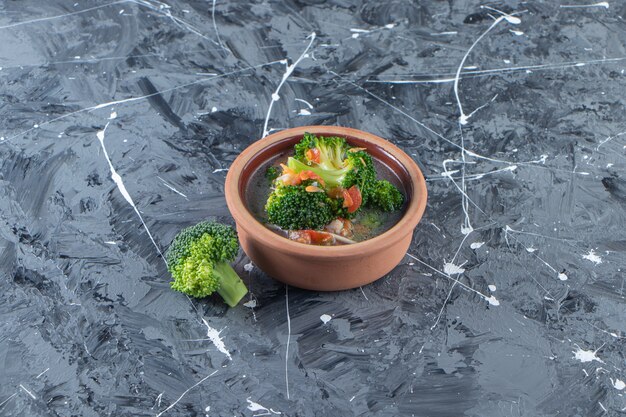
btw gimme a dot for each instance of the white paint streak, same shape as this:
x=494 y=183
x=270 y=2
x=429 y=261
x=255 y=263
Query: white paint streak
x=117 y=179
x=288 y=339
x=250 y=304
x=172 y=188
x=477 y=245
x=214 y=336
x=43 y=19
x=604 y=4
x=305 y=102
x=133 y=99
x=463 y=118
x=593 y=257
x=304 y=112
x=7 y=400
x=325 y=318
x=46 y=370
x=288 y=72
x=217 y=33
x=28 y=392
x=185 y=393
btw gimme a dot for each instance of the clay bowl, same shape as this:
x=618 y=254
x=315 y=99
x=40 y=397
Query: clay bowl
x=324 y=268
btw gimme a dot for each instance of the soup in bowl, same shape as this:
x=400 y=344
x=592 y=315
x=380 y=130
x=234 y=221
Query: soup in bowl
x=371 y=253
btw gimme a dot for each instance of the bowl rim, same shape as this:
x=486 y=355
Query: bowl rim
x=245 y=220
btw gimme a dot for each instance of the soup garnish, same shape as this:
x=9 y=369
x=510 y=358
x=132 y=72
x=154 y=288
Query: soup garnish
x=328 y=193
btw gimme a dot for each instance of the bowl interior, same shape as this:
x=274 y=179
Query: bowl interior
x=285 y=146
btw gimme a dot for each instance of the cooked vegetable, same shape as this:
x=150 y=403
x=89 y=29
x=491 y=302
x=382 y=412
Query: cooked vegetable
x=326 y=180
x=292 y=207
x=386 y=196
x=272 y=173
x=199 y=261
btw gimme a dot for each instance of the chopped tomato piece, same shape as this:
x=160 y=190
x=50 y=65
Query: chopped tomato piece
x=321 y=238
x=347 y=200
x=355 y=199
x=312 y=237
x=309 y=175
x=313 y=155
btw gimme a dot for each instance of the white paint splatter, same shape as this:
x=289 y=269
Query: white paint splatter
x=289 y=70
x=213 y=109
x=491 y=287
x=586 y=355
x=593 y=257
x=451 y=269
x=117 y=179
x=248 y=267
x=530 y=249
x=604 y=4
x=252 y=406
x=304 y=112
x=250 y=304
x=113 y=115
x=493 y=301
x=325 y=318
x=516 y=32
x=618 y=384
x=214 y=336
x=562 y=276
x=477 y=245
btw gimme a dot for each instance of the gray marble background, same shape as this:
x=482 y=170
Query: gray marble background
x=119 y=119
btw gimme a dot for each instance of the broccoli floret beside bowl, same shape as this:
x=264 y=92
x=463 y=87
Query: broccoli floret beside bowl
x=199 y=260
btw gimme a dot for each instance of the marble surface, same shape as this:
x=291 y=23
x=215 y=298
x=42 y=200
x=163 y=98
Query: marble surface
x=119 y=119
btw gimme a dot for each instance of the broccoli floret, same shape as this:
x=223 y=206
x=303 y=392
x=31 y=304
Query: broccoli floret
x=199 y=261
x=336 y=162
x=386 y=196
x=362 y=173
x=272 y=172
x=325 y=152
x=291 y=207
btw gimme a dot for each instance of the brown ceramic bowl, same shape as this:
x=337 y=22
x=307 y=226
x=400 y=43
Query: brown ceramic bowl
x=324 y=268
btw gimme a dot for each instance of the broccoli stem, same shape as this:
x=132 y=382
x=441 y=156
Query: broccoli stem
x=232 y=289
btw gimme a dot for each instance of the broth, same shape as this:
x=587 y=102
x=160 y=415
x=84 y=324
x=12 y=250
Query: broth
x=368 y=223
